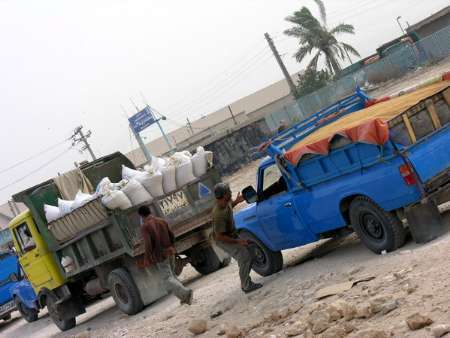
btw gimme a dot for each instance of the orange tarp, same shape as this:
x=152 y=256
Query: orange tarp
x=368 y=125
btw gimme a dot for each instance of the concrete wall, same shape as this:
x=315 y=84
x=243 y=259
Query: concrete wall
x=234 y=150
x=433 y=26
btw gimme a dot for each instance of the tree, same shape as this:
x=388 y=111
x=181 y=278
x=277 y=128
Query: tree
x=312 y=80
x=315 y=37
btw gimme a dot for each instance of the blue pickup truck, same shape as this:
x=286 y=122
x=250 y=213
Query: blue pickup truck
x=16 y=292
x=379 y=171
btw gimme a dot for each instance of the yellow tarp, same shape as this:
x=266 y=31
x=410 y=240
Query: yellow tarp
x=385 y=111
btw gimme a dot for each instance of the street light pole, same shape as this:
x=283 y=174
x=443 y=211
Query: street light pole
x=400 y=25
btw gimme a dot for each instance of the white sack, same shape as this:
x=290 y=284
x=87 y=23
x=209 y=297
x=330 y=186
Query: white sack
x=51 y=213
x=153 y=183
x=136 y=192
x=116 y=200
x=184 y=174
x=65 y=206
x=169 y=181
x=103 y=187
x=199 y=162
x=128 y=173
x=180 y=158
x=81 y=199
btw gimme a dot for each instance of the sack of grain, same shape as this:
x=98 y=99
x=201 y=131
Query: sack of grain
x=128 y=173
x=103 y=187
x=81 y=199
x=169 y=181
x=116 y=199
x=199 y=162
x=65 y=206
x=52 y=213
x=184 y=174
x=136 y=192
x=152 y=182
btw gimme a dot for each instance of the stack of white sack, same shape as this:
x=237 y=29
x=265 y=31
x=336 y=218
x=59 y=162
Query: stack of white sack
x=184 y=171
x=65 y=207
x=201 y=161
x=136 y=192
x=151 y=178
x=169 y=181
x=116 y=199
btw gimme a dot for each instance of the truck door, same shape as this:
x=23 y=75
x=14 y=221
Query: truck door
x=31 y=254
x=276 y=211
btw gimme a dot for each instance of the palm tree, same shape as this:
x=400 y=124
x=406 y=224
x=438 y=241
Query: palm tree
x=315 y=37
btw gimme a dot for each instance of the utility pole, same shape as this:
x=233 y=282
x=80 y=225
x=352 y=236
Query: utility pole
x=189 y=126
x=232 y=115
x=281 y=64
x=79 y=137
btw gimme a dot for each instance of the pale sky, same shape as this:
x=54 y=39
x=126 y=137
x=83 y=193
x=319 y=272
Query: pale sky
x=65 y=63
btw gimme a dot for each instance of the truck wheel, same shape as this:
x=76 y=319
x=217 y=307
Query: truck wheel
x=62 y=324
x=378 y=229
x=125 y=292
x=205 y=260
x=6 y=317
x=265 y=261
x=30 y=315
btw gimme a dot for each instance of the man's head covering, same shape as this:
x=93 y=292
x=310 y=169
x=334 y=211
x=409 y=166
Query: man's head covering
x=221 y=189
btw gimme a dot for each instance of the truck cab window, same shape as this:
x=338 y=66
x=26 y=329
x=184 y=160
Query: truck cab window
x=24 y=237
x=273 y=182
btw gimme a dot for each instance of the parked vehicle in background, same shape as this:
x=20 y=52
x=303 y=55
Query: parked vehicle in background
x=25 y=299
x=9 y=275
x=105 y=257
x=352 y=169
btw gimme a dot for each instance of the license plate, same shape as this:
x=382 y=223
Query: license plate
x=7 y=307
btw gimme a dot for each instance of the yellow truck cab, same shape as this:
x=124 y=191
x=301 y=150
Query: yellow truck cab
x=35 y=258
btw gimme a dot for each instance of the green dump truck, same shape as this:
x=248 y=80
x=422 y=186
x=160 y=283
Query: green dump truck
x=104 y=256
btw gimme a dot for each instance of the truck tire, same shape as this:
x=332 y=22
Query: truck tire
x=30 y=315
x=6 y=317
x=265 y=261
x=125 y=292
x=205 y=260
x=62 y=324
x=378 y=229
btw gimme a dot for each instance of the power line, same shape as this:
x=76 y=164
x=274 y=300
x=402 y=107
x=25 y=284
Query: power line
x=218 y=81
x=33 y=156
x=37 y=169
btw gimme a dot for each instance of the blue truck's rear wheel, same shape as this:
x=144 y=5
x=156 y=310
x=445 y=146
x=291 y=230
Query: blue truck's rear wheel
x=265 y=261
x=378 y=229
x=124 y=291
x=30 y=315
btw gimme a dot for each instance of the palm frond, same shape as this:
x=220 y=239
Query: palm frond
x=343 y=28
x=323 y=13
x=302 y=52
x=350 y=49
x=304 y=19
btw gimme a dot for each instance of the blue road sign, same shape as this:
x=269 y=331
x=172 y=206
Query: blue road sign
x=203 y=190
x=142 y=120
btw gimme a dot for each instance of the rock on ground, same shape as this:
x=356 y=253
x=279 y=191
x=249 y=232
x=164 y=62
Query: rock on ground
x=198 y=326
x=440 y=330
x=418 y=321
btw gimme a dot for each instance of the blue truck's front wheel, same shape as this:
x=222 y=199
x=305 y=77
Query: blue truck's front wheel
x=265 y=261
x=378 y=229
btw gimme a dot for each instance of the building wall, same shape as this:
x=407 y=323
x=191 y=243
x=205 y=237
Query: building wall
x=434 y=26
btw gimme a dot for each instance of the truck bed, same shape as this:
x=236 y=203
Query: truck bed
x=120 y=235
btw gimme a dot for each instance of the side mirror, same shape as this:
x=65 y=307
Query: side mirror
x=250 y=195
x=13 y=277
